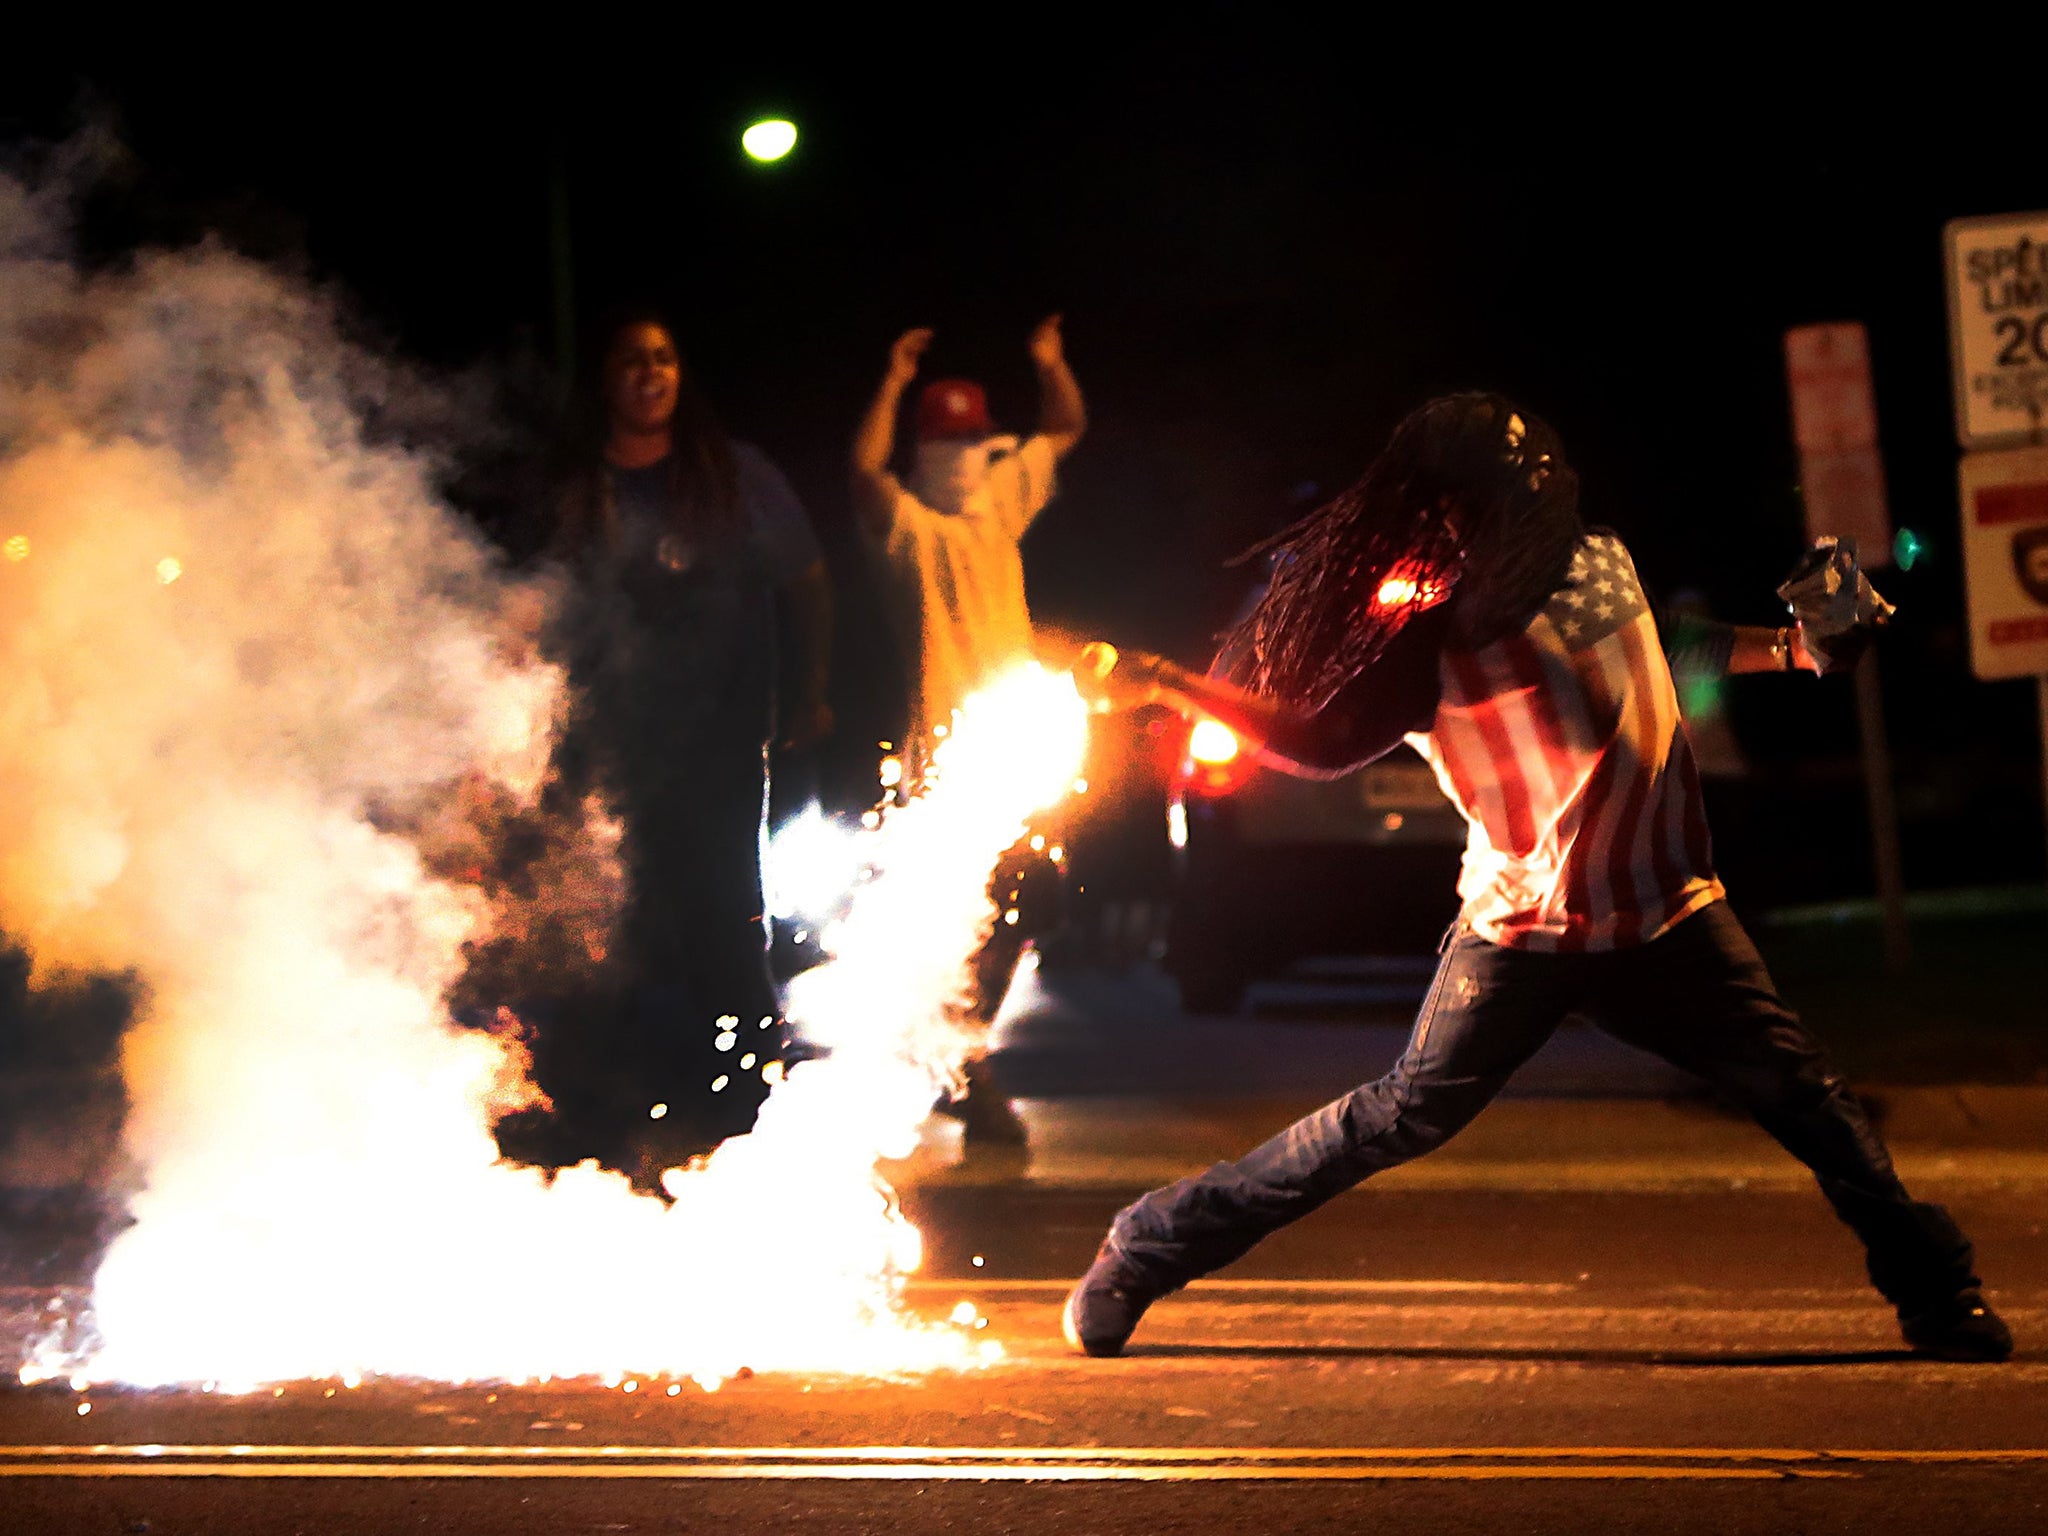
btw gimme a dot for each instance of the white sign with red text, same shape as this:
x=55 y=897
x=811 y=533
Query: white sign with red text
x=2005 y=560
x=1834 y=422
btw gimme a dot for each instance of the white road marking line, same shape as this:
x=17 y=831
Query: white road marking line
x=917 y=1471
x=1332 y=1287
x=154 y=1454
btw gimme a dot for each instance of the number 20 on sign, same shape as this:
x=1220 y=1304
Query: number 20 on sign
x=1998 y=327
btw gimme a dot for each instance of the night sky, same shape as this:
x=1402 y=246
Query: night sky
x=1269 y=241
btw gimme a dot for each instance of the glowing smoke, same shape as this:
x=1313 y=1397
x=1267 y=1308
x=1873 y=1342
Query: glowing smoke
x=239 y=637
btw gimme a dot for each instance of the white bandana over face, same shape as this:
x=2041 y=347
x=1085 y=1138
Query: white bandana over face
x=950 y=470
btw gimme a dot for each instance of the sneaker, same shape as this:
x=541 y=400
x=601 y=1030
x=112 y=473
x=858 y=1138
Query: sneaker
x=1963 y=1327
x=1105 y=1307
x=987 y=1119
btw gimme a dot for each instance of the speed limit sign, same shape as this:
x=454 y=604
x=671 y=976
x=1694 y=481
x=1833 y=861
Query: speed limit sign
x=1998 y=341
x=1998 y=327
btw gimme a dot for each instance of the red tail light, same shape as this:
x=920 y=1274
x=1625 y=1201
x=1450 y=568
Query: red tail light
x=1213 y=744
x=1215 y=762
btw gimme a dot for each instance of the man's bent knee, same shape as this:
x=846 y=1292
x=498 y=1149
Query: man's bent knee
x=1396 y=1120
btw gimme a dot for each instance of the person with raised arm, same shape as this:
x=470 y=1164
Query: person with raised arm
x=948 y=540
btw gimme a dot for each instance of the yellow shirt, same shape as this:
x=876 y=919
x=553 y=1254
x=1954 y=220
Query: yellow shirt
x=960 y=580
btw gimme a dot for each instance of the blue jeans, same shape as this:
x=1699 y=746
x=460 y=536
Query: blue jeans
x=1698 y=996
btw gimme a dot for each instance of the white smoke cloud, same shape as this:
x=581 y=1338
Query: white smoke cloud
x=231 y=626
x=240 y=639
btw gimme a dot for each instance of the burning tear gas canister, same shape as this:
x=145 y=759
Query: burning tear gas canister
x=1835 y=603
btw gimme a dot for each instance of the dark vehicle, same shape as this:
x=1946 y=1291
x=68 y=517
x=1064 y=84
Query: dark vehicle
x=1272 y=870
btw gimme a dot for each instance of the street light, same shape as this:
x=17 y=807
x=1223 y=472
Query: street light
x=769 y=140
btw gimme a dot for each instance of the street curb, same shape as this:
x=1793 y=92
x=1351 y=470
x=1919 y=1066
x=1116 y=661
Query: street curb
x=1969 y=1135
x=1964 y=1115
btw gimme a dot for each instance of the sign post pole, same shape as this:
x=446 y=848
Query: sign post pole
x=1841 y=482
x=2004 y=496
x=1884 y=814
x=2041 y=695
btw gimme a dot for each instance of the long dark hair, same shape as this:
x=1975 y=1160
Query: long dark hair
x=1470 y=503
x=701 y=466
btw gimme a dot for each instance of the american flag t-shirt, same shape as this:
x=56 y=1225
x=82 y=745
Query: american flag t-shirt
x=1562 y=747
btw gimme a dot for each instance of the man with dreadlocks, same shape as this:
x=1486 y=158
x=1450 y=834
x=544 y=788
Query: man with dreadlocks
x=1452 y=598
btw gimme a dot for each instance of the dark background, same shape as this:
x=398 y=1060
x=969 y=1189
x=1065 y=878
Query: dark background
x=1270 y=238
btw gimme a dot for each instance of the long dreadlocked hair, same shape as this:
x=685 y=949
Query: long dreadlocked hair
x=1470 y=503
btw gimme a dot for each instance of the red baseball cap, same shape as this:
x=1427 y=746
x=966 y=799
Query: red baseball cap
x=952 y=408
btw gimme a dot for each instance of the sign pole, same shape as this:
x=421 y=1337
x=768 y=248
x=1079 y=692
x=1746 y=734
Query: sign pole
x=561 y=270
x=2004 y=497
x=2041 y=695
x=1882 y=805
x=1841 y=478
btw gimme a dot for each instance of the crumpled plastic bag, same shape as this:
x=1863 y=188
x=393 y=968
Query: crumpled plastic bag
x=1835 y=604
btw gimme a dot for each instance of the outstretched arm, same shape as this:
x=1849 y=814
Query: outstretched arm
x=1062 y=417
x=1396 y=695
x=874 y=488
x=1710 y=647
x=1757 y=649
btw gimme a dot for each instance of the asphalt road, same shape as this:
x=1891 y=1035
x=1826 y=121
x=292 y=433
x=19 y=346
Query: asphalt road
x=1600 y=1309
x=1450 y=1359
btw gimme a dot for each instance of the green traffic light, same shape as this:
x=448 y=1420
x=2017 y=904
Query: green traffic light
x=1908 y=549
x=769 y=140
